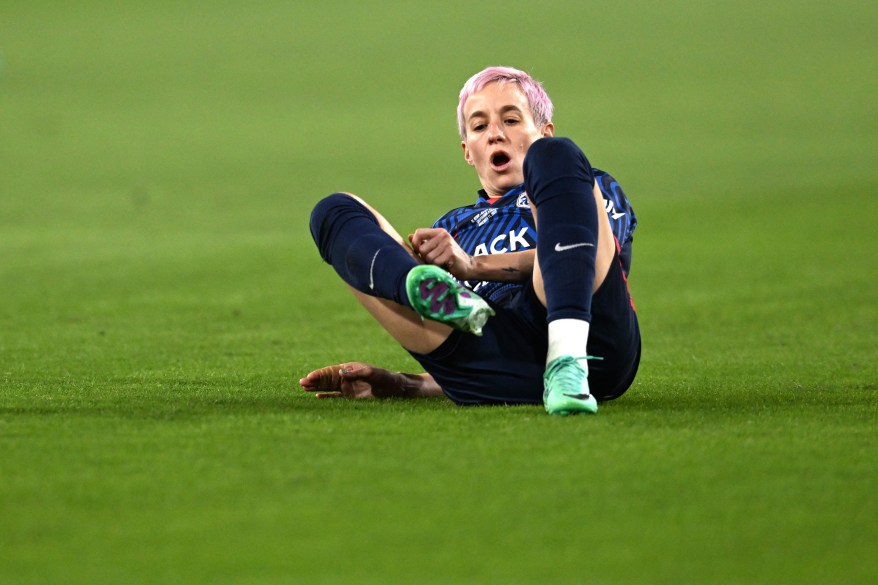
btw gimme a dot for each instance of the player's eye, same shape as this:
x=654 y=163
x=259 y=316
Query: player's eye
x=511 y=121
x=478 y=127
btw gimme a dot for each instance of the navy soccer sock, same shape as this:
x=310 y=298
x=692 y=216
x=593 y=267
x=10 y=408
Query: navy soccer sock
x=559 y=180
x=349 y=238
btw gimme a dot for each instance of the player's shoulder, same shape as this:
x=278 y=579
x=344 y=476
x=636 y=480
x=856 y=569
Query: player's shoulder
x=603 y=177
x=610 y=187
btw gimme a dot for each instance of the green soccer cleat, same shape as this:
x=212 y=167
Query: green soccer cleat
x=436 y=295
x=566 y=387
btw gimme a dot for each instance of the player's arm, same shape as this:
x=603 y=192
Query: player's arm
x=507 y=267
x=436 y=246
x=359 y=380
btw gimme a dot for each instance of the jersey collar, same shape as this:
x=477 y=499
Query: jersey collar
x=515 y=191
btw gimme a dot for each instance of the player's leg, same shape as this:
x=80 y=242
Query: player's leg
x=371 y=257
x=603 y=257
x=574 y=251
x=404 y=325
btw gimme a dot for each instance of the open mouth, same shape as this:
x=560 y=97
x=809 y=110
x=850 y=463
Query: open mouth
x=500 y=160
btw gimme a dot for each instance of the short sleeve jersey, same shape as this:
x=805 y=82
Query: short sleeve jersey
x=507 y=225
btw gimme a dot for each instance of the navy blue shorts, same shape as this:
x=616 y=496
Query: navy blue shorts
x=506 y=364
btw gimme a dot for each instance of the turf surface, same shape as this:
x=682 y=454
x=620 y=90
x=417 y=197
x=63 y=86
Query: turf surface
x=160 y=296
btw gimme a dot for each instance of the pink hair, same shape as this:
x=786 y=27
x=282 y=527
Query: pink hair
x=540 y=105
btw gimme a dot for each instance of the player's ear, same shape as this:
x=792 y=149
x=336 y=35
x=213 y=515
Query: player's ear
x=548 y=130
x=466 y=154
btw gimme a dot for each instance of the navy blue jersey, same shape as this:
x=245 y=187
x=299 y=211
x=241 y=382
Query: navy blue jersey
x=507 y=225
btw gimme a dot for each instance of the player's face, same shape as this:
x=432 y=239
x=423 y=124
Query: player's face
x=499 y=130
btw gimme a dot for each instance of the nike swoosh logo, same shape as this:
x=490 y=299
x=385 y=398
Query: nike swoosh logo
x=560 y=248
x=371 y=268
x=579 y=396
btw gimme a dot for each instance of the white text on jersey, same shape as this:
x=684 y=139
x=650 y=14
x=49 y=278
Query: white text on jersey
x=499 y=244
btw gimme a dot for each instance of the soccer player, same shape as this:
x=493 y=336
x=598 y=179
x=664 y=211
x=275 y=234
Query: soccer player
x=519 y=298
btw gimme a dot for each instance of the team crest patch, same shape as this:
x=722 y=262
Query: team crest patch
x=522 y=201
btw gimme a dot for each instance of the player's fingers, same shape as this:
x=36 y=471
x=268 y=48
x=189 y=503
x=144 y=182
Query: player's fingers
x=440 y=255
x=428 y=239
x=354 y=372
x=443 y=258
x=326 y=378
x=426 y=247
x=310 y=382
x=322 y=395
x=423 y=233
x=418 y=239
x=315 y=388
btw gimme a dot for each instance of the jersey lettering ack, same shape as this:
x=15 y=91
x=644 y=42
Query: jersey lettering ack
x=511 y=242
x=507 y=225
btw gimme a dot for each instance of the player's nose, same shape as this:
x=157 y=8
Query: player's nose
x=495 y=133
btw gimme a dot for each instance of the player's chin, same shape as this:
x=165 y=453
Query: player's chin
x=504 y=183
x=509 y=172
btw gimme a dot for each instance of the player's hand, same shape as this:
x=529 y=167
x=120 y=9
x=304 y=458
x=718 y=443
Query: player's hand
x=436 y=246
x=353 y=380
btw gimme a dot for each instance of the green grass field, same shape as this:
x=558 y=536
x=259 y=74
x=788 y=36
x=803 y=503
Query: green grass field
x=160 y=296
